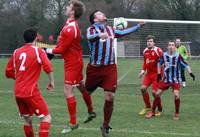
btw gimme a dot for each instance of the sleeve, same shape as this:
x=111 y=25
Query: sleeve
x=185 y=53
x=121 y=33
x=10 y=69
x=92 y=35
x=182 y=62
x=144 y=67
x=46 y=64
x=65 y=40
x=160 y=52
x=161 y=61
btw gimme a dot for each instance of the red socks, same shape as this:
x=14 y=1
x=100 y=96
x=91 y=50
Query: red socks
x=88 y=101
x=155 y=103
x=28 y=130
x=71 y=103
x=146 y=99
x=108 y=109
x=177 y=105
x=44 y=129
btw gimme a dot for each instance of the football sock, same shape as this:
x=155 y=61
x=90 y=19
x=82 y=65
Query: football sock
x=160 y=105
x=146 y=99
x=71 y=103
x=44 y=129
x=28 y=130
x=155 y=103
x=177 y=104
x=108 y=109
x=88 y=101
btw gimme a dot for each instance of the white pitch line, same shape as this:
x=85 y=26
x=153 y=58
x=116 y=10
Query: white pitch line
x=126 y=95
x=123 y=76
x=118 y=130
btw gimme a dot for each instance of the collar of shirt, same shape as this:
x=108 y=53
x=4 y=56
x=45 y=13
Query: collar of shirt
x=175 y=52
x=28 y=44
x=99 y=25
x=70 y=20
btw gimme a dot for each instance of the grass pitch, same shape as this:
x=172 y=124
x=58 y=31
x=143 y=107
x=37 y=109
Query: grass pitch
x=128 y=102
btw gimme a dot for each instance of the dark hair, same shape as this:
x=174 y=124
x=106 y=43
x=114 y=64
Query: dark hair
x=78 y=7
x=171 y=41
x=92 y=16
x=150 y=37
x=30 y=35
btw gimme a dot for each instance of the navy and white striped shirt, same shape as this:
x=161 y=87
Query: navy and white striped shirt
x=102 y=52
x=172 y=64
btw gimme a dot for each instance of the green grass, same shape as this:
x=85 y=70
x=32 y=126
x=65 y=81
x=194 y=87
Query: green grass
x=128 y=102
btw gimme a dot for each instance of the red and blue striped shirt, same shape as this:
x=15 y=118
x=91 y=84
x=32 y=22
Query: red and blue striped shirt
x=172 y=64
x=103 y=52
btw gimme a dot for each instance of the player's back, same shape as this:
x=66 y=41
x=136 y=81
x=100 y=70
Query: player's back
x=27 y=64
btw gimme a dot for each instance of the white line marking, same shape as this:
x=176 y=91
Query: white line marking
x=123 y=76
x=126 y=95
x=118 y=130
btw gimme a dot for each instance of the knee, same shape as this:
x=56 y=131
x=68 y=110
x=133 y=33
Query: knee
x=46 y=118
x=109 y=96
x=68 y=90
x=143 y=89
x=177 y=96
x=28 y=120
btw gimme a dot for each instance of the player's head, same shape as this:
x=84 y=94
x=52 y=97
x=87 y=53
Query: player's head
x=150 y=39
x=171 y=46
x=30 y=35
x=178 y=42
x=97 y=16
x=75 y=9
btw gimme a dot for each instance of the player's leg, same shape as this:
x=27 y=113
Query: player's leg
x=71 y=103
x=71 y=81
x=177 y=104
x=154 y=90
x=88 y=101
x=145 y=95
x=45 y=124
x=161 y=88
x=28 y=128
x=38 y=106
x=183 y=76
x=26 y=113
x=109 y=85
x=156 y=101
x=108 y=109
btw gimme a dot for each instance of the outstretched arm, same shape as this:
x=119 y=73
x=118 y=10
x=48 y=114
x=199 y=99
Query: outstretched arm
x=121 y=33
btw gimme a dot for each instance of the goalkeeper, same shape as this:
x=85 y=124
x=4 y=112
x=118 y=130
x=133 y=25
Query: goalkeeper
x=183 y=51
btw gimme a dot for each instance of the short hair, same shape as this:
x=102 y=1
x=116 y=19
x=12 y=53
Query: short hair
x=30 y=35
x=151 y=37
x=92 y=16
x=78 y=7
x=171 y=41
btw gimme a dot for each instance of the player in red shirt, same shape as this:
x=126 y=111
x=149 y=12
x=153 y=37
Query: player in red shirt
x=151 y=58
x=25 y=66
x=70 y=49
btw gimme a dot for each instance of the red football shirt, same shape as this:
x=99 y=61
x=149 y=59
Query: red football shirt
x=151 y=58
x=25 y=66
x=69 y=44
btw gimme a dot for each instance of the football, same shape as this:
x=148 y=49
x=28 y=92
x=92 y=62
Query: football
x=120 y=23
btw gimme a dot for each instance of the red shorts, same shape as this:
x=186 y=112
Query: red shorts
x=151 y=79
x=32 y=105
x=101 y=76
x=73 y=75
x=164 y=86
